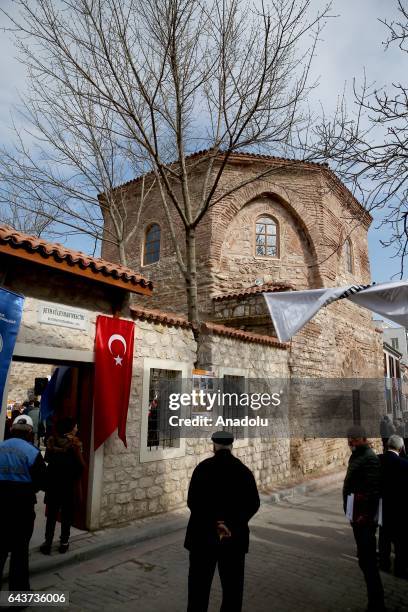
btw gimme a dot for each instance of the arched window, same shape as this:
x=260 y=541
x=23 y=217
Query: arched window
x=267 y=240
x=151 y=251
x=348 y=254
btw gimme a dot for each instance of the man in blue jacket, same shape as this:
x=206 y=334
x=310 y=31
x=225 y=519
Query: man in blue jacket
x=394 y=529
x=22 y=474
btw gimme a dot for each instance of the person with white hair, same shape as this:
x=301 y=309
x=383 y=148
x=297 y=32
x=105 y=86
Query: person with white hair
x=394 y=530
x=22 y=474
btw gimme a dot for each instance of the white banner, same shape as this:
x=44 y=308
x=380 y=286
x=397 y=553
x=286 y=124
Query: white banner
x=291 y=310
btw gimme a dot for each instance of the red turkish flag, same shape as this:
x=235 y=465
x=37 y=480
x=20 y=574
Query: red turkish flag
x=113 y=377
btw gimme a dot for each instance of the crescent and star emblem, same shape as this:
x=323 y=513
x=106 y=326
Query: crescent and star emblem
x=117 y=358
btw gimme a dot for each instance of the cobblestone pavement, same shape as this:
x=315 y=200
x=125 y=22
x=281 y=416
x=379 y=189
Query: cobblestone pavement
x=301 y=558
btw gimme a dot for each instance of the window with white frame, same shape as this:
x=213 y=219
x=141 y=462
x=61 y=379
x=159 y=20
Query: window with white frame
x=161 y=377
x=159 y=432
x=266 y=237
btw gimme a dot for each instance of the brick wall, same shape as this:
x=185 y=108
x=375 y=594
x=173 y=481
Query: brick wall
x=314 y=218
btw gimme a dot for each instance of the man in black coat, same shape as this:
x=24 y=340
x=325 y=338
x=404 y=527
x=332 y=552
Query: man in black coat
x=394 y=529
x=222 y=498
x=363 y=483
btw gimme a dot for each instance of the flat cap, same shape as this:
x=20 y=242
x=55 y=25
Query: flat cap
x=223 y=437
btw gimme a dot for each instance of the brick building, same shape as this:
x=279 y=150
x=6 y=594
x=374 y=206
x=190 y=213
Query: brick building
x=318 y=233
x=299 y=228
x=296 y=228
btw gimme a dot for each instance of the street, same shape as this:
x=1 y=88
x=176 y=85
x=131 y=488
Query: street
x=301 y=558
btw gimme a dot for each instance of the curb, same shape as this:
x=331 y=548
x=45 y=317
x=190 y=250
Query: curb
x=109 y=542
x=314 y=484
x=134 y=534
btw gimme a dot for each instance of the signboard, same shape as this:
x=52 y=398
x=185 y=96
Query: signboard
x=62 y=316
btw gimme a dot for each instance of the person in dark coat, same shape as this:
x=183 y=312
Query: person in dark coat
x=22 y=474
x=387 y=429
x=222 y=498
x=394 y=529
x=363 y=482
x=65 y=467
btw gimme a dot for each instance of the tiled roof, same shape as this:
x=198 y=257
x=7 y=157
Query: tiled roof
x=55 y=255
x=266 y=287
x=236 y=154
x=286 y=161
x=158 y=316
x=167 y=318
x=240 y=334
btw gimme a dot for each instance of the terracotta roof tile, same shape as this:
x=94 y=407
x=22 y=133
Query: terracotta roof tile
x=240 y=334
x=159 y=316
x=168 y=318
x=236 y=154
x=266 y=287
x=16 y=242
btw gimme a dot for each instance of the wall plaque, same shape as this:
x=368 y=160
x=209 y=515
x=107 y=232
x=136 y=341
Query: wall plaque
x=62 y=316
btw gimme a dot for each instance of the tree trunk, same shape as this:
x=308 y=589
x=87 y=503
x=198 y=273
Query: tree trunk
x=191 y=276
x=122 y=253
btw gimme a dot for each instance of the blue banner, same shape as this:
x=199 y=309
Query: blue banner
x=50 y=399
x=11 y=310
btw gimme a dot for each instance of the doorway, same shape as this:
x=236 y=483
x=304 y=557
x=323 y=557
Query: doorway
x=72 y=396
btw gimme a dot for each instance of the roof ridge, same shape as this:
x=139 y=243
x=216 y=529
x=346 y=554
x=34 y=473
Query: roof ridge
x=172 y=319
x=254 y=289
x=323 y=166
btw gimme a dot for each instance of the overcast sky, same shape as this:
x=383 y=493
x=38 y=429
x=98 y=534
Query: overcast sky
x=350 y=42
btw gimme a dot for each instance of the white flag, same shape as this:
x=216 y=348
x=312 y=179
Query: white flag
x=291 y=310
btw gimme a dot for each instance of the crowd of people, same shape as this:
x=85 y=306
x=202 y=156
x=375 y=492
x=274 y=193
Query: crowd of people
x=375 y=494
x=399 y=426
x=23 y=473
x=30 y=408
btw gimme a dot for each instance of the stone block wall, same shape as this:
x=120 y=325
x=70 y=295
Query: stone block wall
x=246 y=312
x=340 y=341
x=22 y=377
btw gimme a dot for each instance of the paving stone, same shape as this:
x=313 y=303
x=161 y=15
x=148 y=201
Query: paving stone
x=302 y=557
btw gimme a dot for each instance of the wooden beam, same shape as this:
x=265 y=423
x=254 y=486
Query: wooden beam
x=74 y=269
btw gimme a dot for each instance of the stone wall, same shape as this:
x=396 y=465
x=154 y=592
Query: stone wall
x=130 y=488
x=22 y=377
x=340 y=341
x=245 y=312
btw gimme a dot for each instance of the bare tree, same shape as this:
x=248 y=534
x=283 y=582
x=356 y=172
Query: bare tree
x=152 y=81
x=76 y=158
x=27 y=221
x=369 y=147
